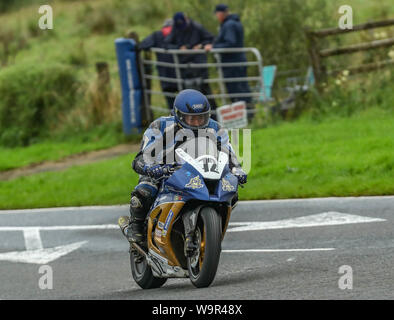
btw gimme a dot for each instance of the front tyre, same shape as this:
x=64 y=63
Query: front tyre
x=142 y=272
x=202 y=266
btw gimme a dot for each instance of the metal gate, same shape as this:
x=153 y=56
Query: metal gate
x=223 y=96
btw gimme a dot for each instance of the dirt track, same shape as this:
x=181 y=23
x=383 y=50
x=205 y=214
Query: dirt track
x=73 y=160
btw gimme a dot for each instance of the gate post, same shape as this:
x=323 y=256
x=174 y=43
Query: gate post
x=318 y=68
x=126 y=52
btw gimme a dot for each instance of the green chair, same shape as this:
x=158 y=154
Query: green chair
x=268 y=76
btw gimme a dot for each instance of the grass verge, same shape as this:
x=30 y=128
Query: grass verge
x=105 y=182
x=337 y=157
x=56 y=148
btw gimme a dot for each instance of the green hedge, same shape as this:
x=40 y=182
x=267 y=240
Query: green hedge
x=8 y=5
x=32 y=97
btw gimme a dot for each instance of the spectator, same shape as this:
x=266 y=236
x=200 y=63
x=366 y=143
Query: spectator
x=156 y=40
x=231 y=35
x=187 y=34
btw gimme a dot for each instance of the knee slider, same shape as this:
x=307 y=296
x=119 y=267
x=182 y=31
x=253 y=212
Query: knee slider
x=146 y=194
x=141 y=200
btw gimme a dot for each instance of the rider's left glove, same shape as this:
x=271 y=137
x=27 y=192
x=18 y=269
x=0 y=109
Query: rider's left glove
x=157 y=171
x=240 y=174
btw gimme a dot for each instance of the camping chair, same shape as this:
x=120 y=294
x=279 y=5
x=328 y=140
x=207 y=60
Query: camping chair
x=268 y=76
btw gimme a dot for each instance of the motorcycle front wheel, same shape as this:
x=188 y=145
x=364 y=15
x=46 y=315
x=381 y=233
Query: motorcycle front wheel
x=202 y=266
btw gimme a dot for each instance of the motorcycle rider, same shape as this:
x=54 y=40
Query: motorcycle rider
x=191 y=112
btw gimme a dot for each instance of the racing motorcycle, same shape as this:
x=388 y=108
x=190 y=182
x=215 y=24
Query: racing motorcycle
x=188 y=220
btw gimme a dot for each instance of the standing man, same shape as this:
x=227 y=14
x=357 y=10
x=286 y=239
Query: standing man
x=156 y=40
x=231 y=35
x=187 y=34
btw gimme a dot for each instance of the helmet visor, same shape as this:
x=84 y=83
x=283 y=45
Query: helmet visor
x=194 y=120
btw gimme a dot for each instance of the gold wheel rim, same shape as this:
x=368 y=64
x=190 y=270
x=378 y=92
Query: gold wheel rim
x=202 y=250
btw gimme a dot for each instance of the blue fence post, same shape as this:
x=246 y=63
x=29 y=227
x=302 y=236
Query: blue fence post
x=130 y=83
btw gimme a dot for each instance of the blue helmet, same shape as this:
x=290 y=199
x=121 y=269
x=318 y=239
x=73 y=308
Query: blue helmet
x=192 y=109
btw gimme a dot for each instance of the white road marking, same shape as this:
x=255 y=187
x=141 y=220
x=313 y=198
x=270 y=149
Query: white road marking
x=35 y=253
x=63 y=228
x=41 y=256
x=322 y=219
x=58 y=209
x=32 y=238
x=277 y=250
x=126 y=206
x=336 y=199
x=316 y=220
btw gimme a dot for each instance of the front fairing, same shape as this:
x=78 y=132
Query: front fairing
x=187 y=183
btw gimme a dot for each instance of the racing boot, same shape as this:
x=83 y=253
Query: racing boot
x=136 y=231
x=133 y=230
x=124 y=223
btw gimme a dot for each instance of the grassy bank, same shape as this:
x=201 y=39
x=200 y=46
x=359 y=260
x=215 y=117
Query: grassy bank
x=337 y=157
x=101 y=137
x=61 y=62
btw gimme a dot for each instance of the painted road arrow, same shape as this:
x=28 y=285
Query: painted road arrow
x=41 y=256
x=331 y=218
x=35 y=253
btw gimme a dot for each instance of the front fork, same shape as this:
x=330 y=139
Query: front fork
x=190 y=222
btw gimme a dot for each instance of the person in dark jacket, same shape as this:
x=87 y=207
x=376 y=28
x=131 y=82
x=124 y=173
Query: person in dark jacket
x=156 y=40
x=187 y=34
x=231 y=35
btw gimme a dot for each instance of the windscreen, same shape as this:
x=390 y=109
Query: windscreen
x=198 y=147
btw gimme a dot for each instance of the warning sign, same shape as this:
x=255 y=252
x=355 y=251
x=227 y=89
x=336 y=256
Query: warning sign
x=233 y=115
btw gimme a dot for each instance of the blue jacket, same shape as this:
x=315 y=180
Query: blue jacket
x=231 y=35
x=155 y=140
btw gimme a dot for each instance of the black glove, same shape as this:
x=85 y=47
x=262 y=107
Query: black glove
x=240 y=174
x=157 y=171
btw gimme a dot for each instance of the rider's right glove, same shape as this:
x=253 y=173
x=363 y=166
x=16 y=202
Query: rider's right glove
x=240 y=174
x=157 y=171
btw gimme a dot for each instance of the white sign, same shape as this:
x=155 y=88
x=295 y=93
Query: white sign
x=233 y=115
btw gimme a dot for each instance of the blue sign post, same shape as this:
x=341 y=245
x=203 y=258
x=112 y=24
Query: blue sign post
x=126 y=52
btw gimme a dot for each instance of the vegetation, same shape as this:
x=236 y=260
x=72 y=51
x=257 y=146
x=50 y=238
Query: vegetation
x=340 y=156
x=52 y=104
x=61 y=62
x=101 y=137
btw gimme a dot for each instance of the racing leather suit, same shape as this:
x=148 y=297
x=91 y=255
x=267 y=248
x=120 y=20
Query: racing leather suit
x=159 y=142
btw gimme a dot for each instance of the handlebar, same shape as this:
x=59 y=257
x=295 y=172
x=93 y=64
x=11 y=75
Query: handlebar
x=168 y=172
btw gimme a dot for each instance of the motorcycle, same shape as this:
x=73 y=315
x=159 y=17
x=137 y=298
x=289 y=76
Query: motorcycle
x=188 y=220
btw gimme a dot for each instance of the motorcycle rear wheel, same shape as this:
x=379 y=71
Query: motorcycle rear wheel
x=203 y=265
x=142 y=273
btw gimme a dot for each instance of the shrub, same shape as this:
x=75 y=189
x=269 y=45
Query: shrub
x=78 y=56
x=101 y=21
x=32 y=96
x=8 y=5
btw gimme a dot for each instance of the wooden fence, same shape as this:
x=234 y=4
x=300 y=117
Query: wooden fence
x=318 y=55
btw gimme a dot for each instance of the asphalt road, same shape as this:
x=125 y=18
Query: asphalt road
x=285 y=249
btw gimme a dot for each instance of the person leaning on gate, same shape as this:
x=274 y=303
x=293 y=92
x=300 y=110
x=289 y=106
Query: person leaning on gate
x=156 y=40
x=231 y=35
x=187 y=34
